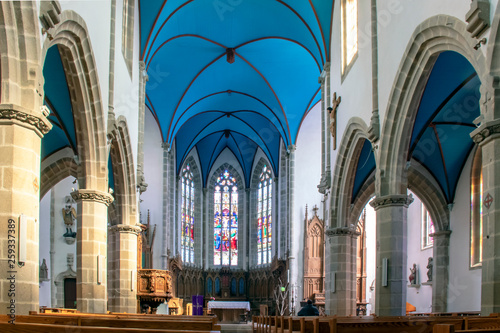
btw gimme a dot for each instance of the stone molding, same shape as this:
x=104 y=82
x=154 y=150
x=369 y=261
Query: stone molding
x=125 y=228
x=11 y=112
x=485 y=130
x=92 y=195
x=392 y=200
x=478 y=17
x=342 y=231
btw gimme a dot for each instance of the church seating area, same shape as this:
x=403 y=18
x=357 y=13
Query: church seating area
x=333 y=324
x=80 y=322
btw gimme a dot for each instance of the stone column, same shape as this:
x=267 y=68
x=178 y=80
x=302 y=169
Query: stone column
x=340 y=279
x=390 y=299
x=123 y=298
x=440 y=276
x=91 y=250
x=21 y=131
x=166 y=207
x=488 y=137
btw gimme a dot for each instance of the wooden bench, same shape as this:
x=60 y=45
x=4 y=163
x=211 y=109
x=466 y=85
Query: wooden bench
x=446 y=328
x=106 y=321
x=6 y=327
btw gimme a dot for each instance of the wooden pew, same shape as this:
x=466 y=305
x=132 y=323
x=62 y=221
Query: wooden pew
x=446 y=328
x=102 y=321
x=6 y=327
x=482 y=323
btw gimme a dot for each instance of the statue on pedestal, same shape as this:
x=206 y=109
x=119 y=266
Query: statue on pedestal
x=413 y=274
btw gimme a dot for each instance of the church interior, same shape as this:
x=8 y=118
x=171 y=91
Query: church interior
x=237 y=158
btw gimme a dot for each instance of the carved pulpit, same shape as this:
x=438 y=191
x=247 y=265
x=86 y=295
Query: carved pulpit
x=314 y=260
x=154 y=286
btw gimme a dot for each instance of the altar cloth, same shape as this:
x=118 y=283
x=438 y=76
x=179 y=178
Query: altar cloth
x=228 y=305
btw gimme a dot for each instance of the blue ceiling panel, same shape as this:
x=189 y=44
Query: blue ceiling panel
x=366 y=165
x=58 y=101
x=441 y=135
x=258 y=60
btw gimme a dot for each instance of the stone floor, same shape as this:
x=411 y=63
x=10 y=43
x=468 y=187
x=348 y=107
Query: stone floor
x=230 y=328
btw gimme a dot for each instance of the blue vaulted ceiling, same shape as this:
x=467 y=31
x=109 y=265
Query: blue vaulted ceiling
x=441 y=134
x=233 y=74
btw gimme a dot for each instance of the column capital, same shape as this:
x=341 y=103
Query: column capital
x=342 y=231
x=392 y=200
x=166 y=146
x=125 y=228
x=92 y=195
x=480 y=134
x=10 y=113
x=291 y=148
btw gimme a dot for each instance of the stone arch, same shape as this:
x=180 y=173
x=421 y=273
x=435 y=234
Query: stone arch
x=59 y=281
x=123 y=171
x=21 y=79
x=433 y=36
x=56 y=172
x=345 y=171
x=421 y=182
x=73 y=41
x=366 y=192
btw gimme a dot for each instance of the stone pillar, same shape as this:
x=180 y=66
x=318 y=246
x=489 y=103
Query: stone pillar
x=326 y=140
x=123 y=298
x=167 y=243
x=488 y=137
x=21 y=131
x=293 y=265
x=91 y=250
x=340 y=278
x=440 y=276
x=390 y=299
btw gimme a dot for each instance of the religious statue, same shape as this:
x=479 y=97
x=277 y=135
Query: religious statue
x=413 y=274
x=69 y=215
x=333 y=118
x=430 y=264
x=44 y=271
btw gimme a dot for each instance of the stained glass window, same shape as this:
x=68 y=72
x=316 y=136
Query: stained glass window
x=476 y=224
x=349 y=31
x=264 y=216
x=226 y=220
x=427 y=228
x=187 y=215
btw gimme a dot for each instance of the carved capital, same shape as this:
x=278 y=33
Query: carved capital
x=343 y=231
x=15 y=113
x=485 y=130
x=125 y=228
x=392 y=200
x=478 y=17
x=92 y=195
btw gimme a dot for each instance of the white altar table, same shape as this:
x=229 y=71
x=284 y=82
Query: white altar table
x=227 y=311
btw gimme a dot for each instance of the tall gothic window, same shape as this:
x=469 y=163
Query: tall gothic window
x=187 y=217
x=264 y=218
x=476 y=209
x=226 y=220
x=349 y=32
x=427 y=229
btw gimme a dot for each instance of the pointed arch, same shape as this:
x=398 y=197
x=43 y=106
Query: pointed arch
x=123 y=173
x=345 y=171
x=433 y=36
x=73 y=41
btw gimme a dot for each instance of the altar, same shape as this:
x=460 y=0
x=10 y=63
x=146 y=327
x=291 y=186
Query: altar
x=227 y=311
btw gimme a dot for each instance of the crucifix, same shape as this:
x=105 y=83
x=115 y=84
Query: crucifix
x=333 y=118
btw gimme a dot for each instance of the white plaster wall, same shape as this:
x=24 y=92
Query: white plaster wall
x=307 y=177
x=420 y=297
x=464 y=289
x=44 y=247
x=152 y=199
x=371 y=257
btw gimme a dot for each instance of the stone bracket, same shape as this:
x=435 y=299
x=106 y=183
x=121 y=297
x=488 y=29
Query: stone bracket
x=478 y=17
